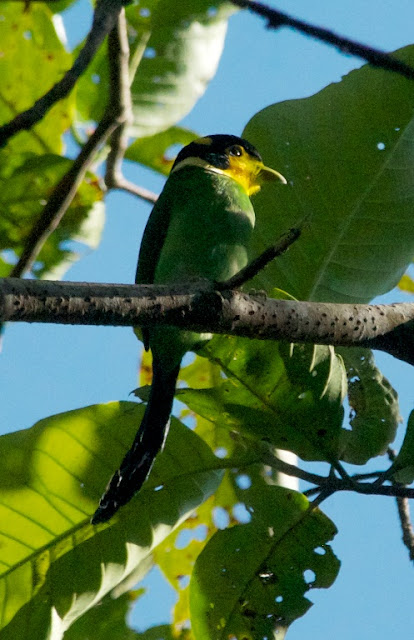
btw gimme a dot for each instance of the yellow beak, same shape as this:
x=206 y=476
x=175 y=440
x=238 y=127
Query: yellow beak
x=266 y=174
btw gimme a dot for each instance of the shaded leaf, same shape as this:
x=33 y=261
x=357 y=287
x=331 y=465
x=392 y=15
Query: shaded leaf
x=403 y=465
x=374 y=406
x=289 y=395
x=23 y=195
x=54 y=565
x=250 y=581
x=348 y=153
x=106 y=621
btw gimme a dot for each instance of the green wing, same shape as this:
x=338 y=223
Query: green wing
x=152 y=243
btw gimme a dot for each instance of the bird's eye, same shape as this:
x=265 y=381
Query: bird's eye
x=235 y=151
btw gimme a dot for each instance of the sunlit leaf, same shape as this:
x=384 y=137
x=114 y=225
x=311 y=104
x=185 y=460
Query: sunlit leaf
x=54 y=565
x=32 y=60
x=406 y=284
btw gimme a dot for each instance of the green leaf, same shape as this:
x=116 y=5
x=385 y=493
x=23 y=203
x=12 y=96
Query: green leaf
x=347 y=153
x=32 y=60
x=290 y=395
x=403 y=465
x=54 y=565
x=374 y=406
x=106 y=621
x=181 y=57
x=250 y=580
x=23 y=194
x=154 y=152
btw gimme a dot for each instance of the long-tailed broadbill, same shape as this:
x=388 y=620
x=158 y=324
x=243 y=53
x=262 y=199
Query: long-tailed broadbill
x=200 y=227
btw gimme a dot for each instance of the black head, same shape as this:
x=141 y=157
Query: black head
x=217 y=149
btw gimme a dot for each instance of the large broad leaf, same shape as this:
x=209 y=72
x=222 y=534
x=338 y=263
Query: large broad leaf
x=250 y=580
x=23 y=194
x=289 y=395
x=32 y=60
x=54 y=565
x=348 y=153
x=181 y=57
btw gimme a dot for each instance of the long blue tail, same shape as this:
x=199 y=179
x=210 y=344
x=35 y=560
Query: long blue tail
x=149 y=441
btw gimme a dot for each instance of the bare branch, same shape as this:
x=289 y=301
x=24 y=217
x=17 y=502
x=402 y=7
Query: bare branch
x=120 y=96
x=403 y=507
x=200 y=308
x=376 y=57
x=105 y=16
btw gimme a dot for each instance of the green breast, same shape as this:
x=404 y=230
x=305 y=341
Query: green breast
x=211 y=222
x=199 y=228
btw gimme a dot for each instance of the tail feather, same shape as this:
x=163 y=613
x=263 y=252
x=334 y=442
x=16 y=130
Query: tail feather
x=149 y=441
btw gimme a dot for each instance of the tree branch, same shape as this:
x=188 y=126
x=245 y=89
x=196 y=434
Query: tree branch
x=199 y=308
x=376 y=57
x=104 y=18
x=119 y=83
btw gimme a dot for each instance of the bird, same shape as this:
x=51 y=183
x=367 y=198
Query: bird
x=199 y=228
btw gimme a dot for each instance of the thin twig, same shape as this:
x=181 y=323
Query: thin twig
x=403 y=507
x=130 y=187
x=120 y=96
x=256 y=265
x=105 y=16
x=376 y=57
x=61 y=198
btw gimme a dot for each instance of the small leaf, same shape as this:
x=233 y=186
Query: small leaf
x=406 y=284
x=403 y=465
x=250 y=580
x=374 y=406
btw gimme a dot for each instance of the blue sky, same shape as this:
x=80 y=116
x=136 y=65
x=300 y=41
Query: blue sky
x=49 y=369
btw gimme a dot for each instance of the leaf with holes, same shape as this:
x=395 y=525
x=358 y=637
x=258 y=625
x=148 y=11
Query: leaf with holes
x=54 y=565
x=374 y=405
x=289 y=395
x=250 y=581
x=348 y=154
